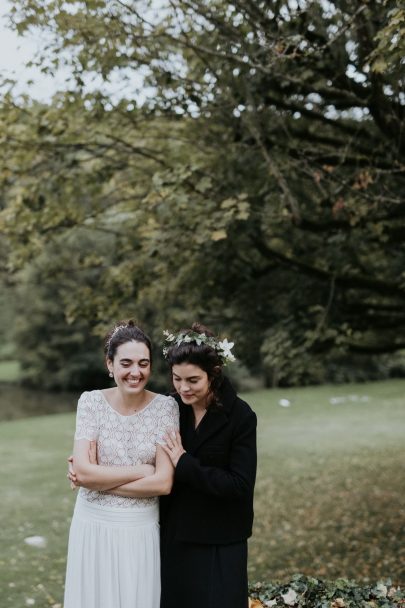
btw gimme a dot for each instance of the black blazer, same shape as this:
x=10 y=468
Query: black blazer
x=212 y=497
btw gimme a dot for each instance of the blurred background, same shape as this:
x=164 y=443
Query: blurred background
x=236 y=163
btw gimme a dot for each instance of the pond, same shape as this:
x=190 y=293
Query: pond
x=18 y=402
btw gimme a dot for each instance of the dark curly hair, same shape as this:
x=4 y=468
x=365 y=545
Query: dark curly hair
x=202 y=355
x=122 y=332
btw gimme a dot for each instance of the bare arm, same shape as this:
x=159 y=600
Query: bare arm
x=158 y=484
x=99 y=477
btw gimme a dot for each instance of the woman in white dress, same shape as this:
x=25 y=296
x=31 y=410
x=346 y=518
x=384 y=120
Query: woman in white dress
x=113 y=555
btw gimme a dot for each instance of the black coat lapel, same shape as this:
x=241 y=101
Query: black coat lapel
x=209 y=426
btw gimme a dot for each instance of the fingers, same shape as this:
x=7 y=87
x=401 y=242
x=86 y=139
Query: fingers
x=173 y=438
x=169 y=440
x=93 y=452
x=165 y=448
x=71 y=475
x=178 y=439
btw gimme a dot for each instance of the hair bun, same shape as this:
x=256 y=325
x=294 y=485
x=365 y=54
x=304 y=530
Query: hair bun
x=199 y=328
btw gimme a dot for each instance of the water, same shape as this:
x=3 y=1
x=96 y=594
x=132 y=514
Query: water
x=17 y=402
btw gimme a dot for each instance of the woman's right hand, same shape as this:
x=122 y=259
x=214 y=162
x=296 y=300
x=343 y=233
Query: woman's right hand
x=71 y=473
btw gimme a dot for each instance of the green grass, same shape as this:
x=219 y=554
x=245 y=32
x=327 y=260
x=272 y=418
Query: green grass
x=330 y=497
x=9 y=371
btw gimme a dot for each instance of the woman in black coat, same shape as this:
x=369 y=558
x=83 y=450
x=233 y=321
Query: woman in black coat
x=207 y=519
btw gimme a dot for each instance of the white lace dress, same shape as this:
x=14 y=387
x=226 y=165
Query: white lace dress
x=113 y=554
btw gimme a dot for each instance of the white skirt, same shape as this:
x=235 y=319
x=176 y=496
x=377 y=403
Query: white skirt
x=113 y=557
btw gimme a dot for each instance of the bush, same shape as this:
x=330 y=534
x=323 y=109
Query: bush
x=307 y=592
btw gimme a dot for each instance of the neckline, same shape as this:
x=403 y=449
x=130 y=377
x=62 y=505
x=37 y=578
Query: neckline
x=127 y=415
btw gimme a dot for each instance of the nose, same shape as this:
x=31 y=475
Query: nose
x=135 y=371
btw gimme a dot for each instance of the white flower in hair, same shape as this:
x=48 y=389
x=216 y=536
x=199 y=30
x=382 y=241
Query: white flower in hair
x=226 y=348
x=223 y=348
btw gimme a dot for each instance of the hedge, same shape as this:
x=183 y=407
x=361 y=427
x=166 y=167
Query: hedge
x=307 y=592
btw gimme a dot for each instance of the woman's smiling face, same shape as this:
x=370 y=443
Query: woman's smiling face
x=131 y=367
x=191 y=383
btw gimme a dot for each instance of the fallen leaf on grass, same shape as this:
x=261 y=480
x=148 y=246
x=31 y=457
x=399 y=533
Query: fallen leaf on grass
x=255 y=603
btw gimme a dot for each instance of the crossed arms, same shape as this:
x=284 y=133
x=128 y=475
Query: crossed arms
x=138 y=481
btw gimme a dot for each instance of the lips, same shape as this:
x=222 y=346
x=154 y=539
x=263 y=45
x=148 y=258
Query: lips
x=133 y=383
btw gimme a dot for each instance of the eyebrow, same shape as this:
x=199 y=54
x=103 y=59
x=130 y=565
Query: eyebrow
x=130 y=360
x=189 y=378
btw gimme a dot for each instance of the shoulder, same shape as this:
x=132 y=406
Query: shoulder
x=90 y=400
x=243 y=406
x=243 y=412
x=166 y=402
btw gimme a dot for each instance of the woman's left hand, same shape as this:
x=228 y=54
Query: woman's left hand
x=71 y=472
x=173 y=446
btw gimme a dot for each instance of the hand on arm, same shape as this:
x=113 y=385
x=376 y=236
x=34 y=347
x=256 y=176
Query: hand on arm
x=173 y=446
x=158 y=484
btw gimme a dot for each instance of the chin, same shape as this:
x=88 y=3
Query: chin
x=134 y=389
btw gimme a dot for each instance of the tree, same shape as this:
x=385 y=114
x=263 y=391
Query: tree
x=269 y=163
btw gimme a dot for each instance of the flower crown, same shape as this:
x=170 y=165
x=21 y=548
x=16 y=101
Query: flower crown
x=222 y=347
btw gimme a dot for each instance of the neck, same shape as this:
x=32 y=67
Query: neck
x=132 y=402
x=201 y=406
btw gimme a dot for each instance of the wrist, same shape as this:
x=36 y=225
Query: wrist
x=180 y=455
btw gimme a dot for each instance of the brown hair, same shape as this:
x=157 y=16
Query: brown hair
x=122 y=332
x=202 y=355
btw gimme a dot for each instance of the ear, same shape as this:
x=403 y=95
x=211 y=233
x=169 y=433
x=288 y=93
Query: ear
x=109 y=365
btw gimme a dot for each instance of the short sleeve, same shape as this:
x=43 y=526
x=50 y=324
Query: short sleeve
x=86 y=418
x=168 y=419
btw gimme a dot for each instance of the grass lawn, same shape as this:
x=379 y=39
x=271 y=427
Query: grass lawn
x=330 y=497
x=9 y=371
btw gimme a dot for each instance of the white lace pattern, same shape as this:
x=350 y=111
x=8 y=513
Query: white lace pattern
x=123 y=440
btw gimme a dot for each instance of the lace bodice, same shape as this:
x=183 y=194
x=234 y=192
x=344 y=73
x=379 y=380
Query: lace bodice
x=123 y=440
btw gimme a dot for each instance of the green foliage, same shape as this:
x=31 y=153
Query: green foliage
x=56 y=353
x=310 y=592
x=256 y=185
x=390 y=50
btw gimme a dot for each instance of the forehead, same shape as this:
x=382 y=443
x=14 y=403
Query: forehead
x=132 y=350
x=187 y=370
